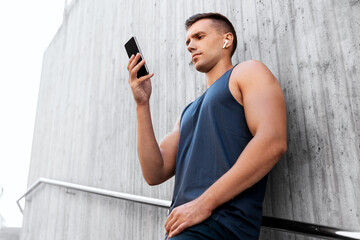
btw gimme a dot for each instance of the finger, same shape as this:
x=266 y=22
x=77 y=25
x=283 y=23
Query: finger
x=134 y=61
x=146 y=77
x=130 y=61
x=173 y=227
x=168 y=223
x=178 y=230
x=170 y=220
x=138 y=66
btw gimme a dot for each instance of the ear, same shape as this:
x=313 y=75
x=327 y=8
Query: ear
x=228 y=40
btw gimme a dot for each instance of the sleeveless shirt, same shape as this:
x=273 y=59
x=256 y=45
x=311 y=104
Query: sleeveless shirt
x=213 y=133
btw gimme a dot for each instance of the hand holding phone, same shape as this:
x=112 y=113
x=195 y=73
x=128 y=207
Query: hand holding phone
x=132 y=47
x=140 y=82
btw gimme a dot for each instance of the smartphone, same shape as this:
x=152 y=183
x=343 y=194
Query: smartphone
x=132 y=47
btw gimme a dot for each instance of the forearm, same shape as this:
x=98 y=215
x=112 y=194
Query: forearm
x=148 y=149
x=257 y=159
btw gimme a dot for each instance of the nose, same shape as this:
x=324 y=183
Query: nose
x=190 y=47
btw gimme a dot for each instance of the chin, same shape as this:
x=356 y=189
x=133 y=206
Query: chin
x=201 y=67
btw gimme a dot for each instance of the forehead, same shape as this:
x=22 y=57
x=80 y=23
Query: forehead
x=203 y=25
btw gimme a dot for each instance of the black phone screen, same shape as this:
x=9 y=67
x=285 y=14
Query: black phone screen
x=132 y=47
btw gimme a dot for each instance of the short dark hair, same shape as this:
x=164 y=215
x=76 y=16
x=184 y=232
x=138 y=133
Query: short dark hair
x=220 y=22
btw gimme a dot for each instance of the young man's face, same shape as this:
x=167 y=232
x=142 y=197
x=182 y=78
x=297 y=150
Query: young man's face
x=205 y=45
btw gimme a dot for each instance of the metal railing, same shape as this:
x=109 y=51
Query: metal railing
x=296 y=227
x=98 y=191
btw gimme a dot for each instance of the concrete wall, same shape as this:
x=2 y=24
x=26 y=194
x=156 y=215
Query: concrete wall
x=2 y=222
x=85 y=129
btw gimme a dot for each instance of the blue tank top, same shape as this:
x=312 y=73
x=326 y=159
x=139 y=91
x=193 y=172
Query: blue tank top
x=213 y=133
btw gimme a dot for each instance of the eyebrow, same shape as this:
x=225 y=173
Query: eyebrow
x=194 y=35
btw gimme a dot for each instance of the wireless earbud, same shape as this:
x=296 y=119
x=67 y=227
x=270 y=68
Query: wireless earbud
x=226 y=41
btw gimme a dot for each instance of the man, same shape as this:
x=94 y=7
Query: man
x=224 y=143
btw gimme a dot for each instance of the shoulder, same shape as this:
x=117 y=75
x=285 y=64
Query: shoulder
x=252 y=72
x=251 y=67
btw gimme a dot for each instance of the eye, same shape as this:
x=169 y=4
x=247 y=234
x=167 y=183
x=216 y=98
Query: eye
x=200 y=37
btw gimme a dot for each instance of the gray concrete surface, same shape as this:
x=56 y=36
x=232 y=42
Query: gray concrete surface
x=10 y=233
x=85 y=129
x=2 y=222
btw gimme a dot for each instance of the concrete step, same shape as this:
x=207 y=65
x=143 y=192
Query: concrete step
x=10 y=233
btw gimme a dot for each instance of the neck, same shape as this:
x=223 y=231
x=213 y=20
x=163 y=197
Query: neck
x=217 y=71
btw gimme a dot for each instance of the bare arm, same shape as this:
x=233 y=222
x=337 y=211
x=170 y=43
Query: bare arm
x=265 y=114
x=157 y=162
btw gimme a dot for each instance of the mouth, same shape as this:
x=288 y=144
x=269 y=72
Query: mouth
x=195 y=55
